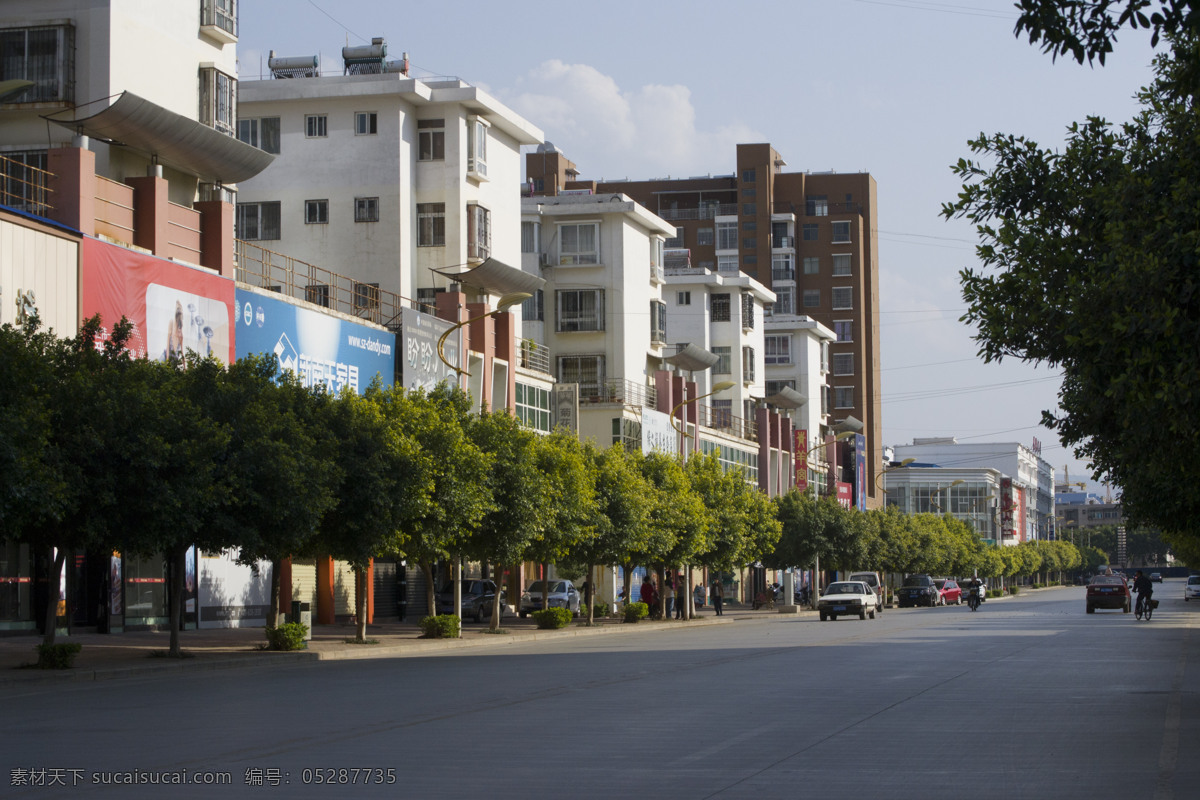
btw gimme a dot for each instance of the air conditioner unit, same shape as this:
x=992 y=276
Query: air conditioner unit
x=544 y=259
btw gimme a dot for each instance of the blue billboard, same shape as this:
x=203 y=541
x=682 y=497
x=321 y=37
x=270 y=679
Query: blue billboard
x=320 y=348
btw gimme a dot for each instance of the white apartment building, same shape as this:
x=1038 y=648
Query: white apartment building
x=378 y=175
x=1025 y=497
x=177 y=57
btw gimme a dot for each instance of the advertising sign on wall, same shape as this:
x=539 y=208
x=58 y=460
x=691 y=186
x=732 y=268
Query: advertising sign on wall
x=320 y=348
x=233 y=595
x=173 y=307
x=801 y=439
x=422 y=367
x=658 y=434
x=845 y=494
x=1006 y=508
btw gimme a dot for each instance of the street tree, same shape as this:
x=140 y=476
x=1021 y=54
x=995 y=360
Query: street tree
x=677 y=521
x=1089 y=265
x=1087 y=29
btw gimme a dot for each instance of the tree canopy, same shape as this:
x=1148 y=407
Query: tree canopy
x=1087 y=29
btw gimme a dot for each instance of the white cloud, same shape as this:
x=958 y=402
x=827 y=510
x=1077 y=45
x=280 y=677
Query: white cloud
x=610 y=132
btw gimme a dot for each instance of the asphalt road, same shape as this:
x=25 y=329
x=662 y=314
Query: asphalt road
x=1027 y=698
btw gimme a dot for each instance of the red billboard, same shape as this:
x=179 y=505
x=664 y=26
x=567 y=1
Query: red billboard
x=801 y=449
x=173 y=307
x=845 y=494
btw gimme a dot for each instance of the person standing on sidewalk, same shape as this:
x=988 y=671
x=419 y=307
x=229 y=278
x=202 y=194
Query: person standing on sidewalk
x=718 y=595
x=698 y=597
x=668 y=594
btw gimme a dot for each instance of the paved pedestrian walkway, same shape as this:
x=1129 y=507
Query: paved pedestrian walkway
x=134 y=653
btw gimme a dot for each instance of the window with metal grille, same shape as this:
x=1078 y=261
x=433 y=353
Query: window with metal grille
x=531 y=239
x=724 y=365
x=843 y=397
x=748 y=365
x=44 y=55
x=843 y=363
x=841 y=232
x=317 y=293
x=258 y=221
x=721 y=308
x=580 y=310
x=218 y=100
x=812 y=298
x=841 y=265
x=747 y=310
x=533 y=308
x=366 y=295
x=658 y=321
x=316 y=212
x=366 y=209
x=431 y=224
x=843 y=297
x=479 y=232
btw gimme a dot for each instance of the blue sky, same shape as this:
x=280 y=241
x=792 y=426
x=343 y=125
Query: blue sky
x=892 y=87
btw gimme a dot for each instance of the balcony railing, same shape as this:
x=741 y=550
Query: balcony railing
x=535 y=356
x=721 y=419
x=24 y=187
x=783 y=242
x=618 y=392
x=707 y=212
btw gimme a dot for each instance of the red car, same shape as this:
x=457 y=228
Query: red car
x=1108 y=591
x=949 y=592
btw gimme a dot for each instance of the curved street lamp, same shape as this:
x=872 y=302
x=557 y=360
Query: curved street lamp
x=505 y=302
x=901 y=465
x=718 y=387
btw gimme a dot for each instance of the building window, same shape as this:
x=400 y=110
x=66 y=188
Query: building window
x=809 y=231
x=777 y=349
x=658 y=321
x=479 y=232
x=748 y=365
x=258 y=221
x=366 y=295
x=587 y=371
x=316 y=212
x=843 y=397
x=218 y=100
x=532 y=407
x=749 y=191
x=724 y=365
x=727 y=236
x=749 y=209
x=533 y=309
x=747 y=310
x=843 y=363
x=841 y=265
x=727 y=265
x=262 y=133
x=431 y=224
x=44 y=55
x=750 y=243
x=782 y=268
x=580 y=310
x=317 y=294
x=816 y=205
x=316 y=126
x=221 y=14
x=705 y=237
x=366 y=209
x=365 y=123
x=812 y=265
x=531 y=237
x=579 y=244
x=844 y=329
x=477 y=133
x=812 y=298
x=843 y=297
x=775 y=387
x=748 y=176
x=627 y=433
x=426 y=300
x=785 y=300
x=841 y=233
x=677 y=239
x=683 y=298
x=431 y=140
x=721 y=309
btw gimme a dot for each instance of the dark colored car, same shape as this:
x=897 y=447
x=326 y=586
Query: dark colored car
x=949 y=592
x=918 y=590
x=1156 y=577
x=1108 y=591
x=477 y=598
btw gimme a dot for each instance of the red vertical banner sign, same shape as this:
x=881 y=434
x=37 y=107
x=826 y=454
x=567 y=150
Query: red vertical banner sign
x=1006 y=509
x=800 y=437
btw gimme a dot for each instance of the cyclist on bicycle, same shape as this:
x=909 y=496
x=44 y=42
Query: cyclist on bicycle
x=1143 y=587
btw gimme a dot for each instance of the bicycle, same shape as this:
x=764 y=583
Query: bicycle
x=1145 y=607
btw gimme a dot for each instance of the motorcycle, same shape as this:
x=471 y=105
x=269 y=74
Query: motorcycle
x=973 y=599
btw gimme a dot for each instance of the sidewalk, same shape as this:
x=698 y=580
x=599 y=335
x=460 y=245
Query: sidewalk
x=134 y=653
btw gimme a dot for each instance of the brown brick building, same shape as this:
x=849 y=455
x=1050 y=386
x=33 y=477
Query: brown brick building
x=810 y=237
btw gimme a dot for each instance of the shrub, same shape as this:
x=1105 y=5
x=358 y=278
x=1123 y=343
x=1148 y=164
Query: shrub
x=636 y=611
x=289 y=636
x=600 y=609
x=1014 y=589
x=58 y=656
x=552 y=618
x=443 y=626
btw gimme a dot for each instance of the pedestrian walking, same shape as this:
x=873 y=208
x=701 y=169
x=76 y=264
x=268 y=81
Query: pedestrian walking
x=649 y=594
x=718 y=596
x=668 y=597
x=698 y=597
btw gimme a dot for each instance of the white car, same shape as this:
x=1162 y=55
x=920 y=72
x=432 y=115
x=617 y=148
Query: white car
x=845 y=598
x=563 y=594
x=1192 y=587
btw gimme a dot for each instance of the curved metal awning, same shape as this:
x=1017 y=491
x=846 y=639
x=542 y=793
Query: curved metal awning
x=172 y=139
x=495 y=277
x=787 y=397
x=693 y=358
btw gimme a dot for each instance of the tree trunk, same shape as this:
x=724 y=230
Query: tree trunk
x=497 y=602
x=687 y=596
x=175 y=573
x=545 y=586
x=430 y=598
x=273 y=605
x=360 y=603
x=591 y=593
x=58 y=559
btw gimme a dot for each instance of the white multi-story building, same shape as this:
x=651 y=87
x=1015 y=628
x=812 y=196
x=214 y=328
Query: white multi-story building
x=1023 y=498
x=381 y=176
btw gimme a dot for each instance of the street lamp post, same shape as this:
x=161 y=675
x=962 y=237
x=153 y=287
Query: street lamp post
x=505 y=302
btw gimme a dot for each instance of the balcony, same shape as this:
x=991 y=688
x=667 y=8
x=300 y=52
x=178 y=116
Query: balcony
x=617 y=392
x=721 y=419
x=535 y=356
x=218 y=20
x=783 y=242
x=24 y=187
x=707 y=212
